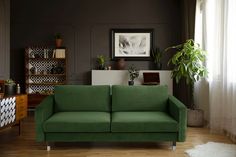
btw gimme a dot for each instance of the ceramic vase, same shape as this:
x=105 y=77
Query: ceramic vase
x=58 y=43
x=10 y=90
x=121 y=64
x=131 y=83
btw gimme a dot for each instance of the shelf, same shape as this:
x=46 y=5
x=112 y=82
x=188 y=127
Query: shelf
x=39 y=94
x=42 y=83
x=45 y=59
x=45 y=74
x=49 y=83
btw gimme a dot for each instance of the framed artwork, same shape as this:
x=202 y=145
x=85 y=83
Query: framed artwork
x=134 y=44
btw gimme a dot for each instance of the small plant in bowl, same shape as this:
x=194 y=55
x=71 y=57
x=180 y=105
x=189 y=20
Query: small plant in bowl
x=10 y=87
x=10 y=82
x=133 y=73
x=101 y=60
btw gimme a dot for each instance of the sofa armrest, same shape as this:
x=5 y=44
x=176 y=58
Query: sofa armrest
x=179 y=112
x=42 y=112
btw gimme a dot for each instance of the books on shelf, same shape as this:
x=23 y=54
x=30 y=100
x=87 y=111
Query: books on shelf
x=59 y=53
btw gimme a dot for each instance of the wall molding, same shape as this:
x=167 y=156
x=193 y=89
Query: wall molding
x=86 y=24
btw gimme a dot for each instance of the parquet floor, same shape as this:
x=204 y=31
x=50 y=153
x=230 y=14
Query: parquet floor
x=12 y=145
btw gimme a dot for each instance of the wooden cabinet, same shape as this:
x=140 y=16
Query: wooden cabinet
x=35 y=99
x=12 y=110
x=45 y=67
x=21 y=107
x=121 y=77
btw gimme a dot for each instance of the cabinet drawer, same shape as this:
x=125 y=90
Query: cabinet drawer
x=22 y=112
x=21 y=106
x=21 y=115
x=21 y=99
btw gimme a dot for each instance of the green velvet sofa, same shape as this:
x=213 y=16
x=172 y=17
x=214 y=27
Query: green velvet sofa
x=116 y=113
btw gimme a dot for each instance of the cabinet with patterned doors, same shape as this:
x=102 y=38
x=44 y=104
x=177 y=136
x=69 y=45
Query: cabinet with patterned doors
x=45 y=67
x=12 y=110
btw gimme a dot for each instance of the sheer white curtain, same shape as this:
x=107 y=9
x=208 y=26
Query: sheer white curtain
x=216 y=31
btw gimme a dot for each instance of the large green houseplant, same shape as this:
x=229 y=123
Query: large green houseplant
x=188 y=63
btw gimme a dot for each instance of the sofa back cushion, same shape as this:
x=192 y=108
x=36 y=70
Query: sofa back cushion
x=82 y=98
x=139 y=98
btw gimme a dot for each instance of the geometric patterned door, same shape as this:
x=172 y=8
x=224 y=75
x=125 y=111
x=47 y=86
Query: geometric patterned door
x=7 y=111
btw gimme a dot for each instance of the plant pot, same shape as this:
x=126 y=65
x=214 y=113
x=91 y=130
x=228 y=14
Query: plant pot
x=131 y=83
x=121 y=64
x=158 y=66
x=58 y=43
x=101 y=67
x=195 y=117
x=10 y=90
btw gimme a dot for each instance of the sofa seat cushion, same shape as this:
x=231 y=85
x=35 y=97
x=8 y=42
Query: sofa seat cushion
x=78 y=122
x=143 y=122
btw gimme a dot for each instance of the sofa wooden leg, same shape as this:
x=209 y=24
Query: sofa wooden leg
x=48 y=147
x=174 y=145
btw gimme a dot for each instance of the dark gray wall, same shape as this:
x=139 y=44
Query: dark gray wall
x=4 y=39
x=85 y=26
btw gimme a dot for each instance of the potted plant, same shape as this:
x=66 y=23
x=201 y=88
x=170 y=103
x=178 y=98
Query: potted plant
x=133 y=73
x=58 y=40
x=156 y=55
x=10 y=87
x=101 y=60
x=188 y=65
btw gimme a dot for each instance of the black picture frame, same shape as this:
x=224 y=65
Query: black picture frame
x=131 y=44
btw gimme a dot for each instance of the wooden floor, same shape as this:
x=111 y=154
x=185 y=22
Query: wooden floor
x=12 y=145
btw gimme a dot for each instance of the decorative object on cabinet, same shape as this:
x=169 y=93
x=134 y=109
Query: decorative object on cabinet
x=188 y=65
x=101 y=60
x=121 y=64
x=151 y=78
x=58 y=40
x=18 y=89
x=133 y=73
x=131 y=43
x=10 y=87
x=12 y=110
x=59 y=53
x=44 y=72
x=157 y=55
